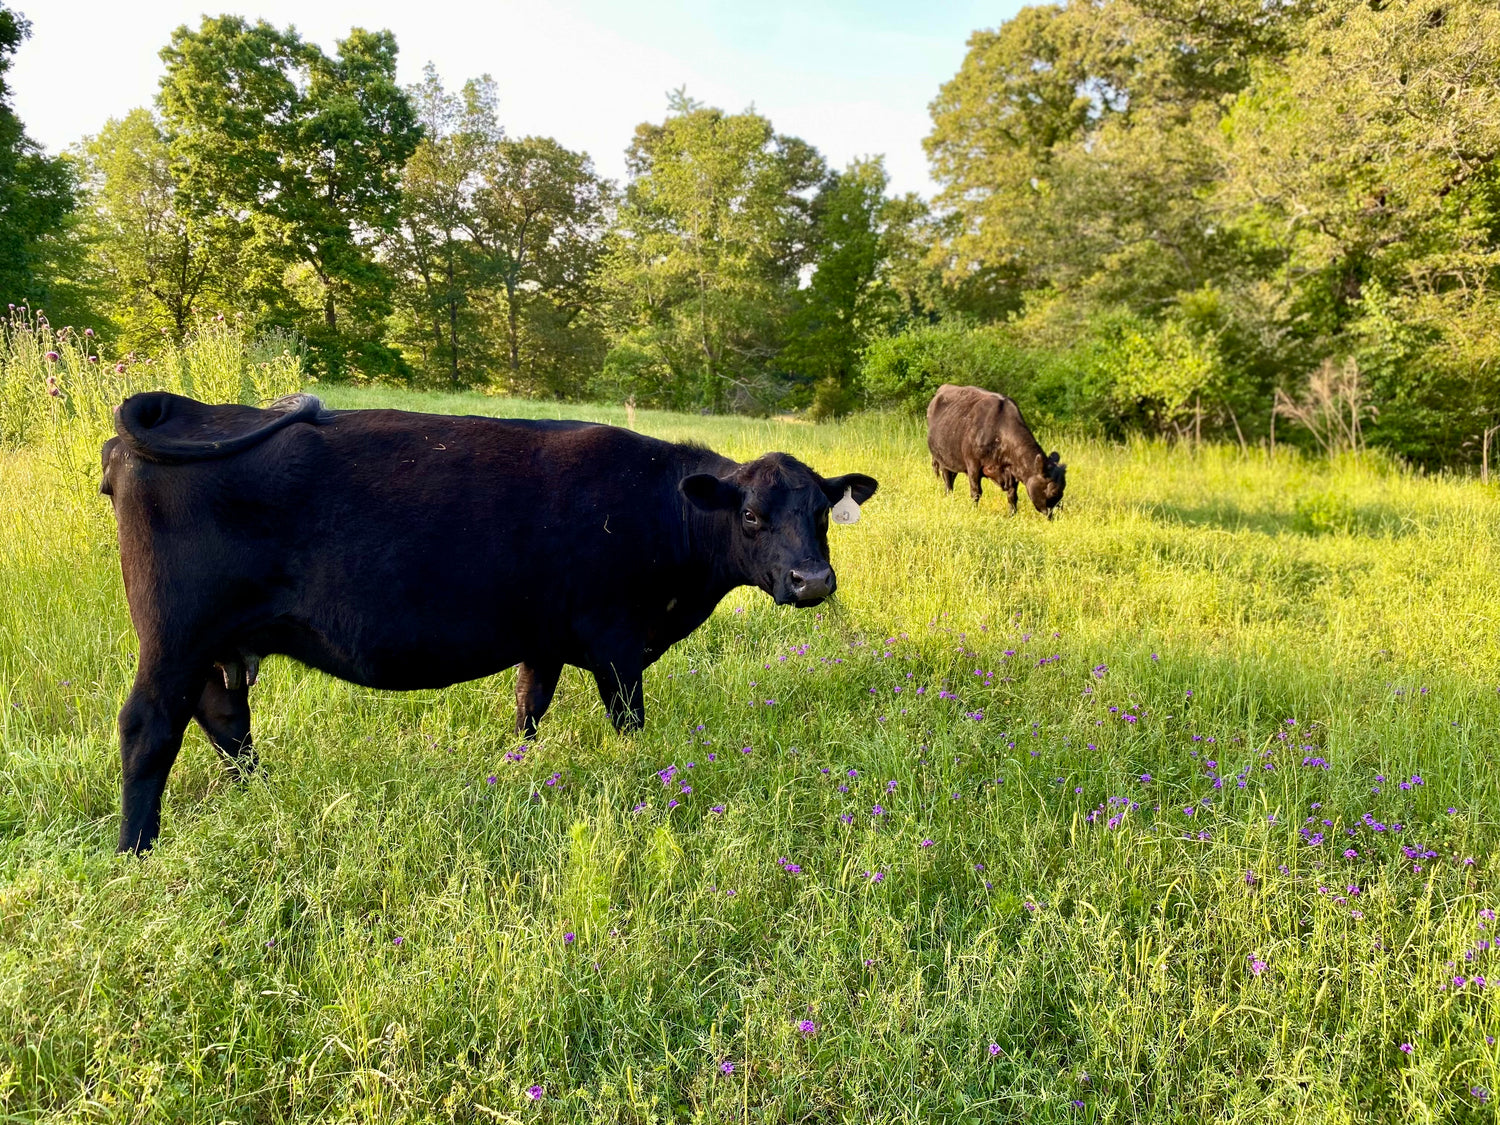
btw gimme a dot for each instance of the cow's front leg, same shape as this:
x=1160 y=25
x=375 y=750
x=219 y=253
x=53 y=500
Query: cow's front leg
x=623 y=693
x=976 y=481
x=536 y=682
x=1011 y=492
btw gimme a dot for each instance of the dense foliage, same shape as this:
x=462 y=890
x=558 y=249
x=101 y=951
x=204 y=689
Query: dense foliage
x=1265 y=186
x=1155 y=215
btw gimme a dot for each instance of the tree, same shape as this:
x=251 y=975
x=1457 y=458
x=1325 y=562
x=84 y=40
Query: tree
x=1370 y=163
x=310 y=148
x=713 y=232
x=430 y=247
x=858 y=236
x=156 y=262
x=1077 y=148
x=37 y=193
x=536 y=226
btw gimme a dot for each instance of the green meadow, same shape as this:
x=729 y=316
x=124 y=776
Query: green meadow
x=1180 y=807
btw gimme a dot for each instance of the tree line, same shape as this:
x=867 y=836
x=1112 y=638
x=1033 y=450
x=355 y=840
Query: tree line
x=1191 y=217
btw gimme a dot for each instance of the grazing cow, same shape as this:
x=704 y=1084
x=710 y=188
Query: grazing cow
x=402 y=551
x=982 y=434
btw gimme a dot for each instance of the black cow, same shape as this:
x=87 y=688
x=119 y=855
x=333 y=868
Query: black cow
x=981 y=434
x=402 y=551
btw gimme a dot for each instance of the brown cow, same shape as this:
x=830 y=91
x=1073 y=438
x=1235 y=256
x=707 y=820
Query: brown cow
x=981 y=434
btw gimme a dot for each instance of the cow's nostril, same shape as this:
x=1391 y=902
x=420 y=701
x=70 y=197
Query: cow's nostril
x=811 y=584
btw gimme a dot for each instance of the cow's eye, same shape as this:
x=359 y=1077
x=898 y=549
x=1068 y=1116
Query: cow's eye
x=751 y=519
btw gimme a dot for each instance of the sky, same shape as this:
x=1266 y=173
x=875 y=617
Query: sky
x=854 y=79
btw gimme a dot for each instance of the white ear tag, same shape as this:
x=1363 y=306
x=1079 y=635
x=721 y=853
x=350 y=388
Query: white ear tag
x=846 y=510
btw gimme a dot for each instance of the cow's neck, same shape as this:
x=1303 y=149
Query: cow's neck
x=708 y=561
x=707 y=537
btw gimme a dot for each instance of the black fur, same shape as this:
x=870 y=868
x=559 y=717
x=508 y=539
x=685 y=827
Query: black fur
x=404 y=551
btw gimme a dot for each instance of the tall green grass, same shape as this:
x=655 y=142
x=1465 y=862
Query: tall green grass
x=58 y=389
x=376 y=928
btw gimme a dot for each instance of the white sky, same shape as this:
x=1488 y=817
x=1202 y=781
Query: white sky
x=854 y=79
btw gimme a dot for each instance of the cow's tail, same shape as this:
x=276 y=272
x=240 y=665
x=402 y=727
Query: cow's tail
x=170 y=429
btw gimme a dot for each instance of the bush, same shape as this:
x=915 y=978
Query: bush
x=906 y=370
x=1165 y=375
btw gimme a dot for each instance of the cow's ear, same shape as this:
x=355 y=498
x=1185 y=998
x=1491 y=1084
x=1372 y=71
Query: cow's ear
x=708 y=493
x=860 y=487
x=1054 y=457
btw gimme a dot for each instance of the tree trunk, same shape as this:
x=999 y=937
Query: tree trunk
x=513 y=331
x=715 y=393
x=452 y=321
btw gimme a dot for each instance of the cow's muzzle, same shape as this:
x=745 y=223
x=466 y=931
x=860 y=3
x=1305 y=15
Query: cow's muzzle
x=809 y=585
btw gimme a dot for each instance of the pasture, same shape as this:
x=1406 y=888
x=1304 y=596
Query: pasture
x=1182 y=807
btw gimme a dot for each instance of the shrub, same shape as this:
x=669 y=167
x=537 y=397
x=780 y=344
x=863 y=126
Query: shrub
x=906 y=370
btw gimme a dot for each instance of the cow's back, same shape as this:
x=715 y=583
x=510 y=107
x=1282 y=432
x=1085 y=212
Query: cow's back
x=965 y=424
x=354 y=536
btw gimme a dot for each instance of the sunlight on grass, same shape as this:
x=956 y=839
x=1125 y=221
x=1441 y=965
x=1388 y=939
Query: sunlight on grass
x=1180 y=807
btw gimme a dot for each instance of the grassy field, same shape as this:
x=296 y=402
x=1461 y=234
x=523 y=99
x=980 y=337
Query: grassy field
x=1182 y=807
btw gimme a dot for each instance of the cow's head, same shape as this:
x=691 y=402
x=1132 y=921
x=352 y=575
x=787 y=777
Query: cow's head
x=777 y=511
x=1045 y=485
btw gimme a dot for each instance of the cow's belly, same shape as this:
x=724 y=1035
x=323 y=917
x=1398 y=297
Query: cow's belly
x=427 y=642
x=402 y=668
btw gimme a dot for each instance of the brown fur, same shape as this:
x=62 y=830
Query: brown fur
x=981 y=434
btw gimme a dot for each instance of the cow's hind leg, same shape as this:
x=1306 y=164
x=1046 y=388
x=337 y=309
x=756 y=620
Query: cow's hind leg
x=623 y=693
x=152 y=723
x=535 y=685
x=947 y=476
x=224 y=714
x=976 y=481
